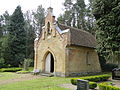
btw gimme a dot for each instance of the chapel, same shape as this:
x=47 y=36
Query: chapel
x=65 y=51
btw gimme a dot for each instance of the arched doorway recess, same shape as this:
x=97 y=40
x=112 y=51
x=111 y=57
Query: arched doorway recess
x=49 y=63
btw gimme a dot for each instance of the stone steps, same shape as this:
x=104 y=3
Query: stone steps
x=47 y=74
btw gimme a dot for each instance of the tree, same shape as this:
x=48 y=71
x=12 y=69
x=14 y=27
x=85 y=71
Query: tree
x=16 y=39
x=4 y=22
x=1 y=31
x=90 y=19
x=30 y=35
x=107 y=14
x=81 y=13
x=68 y=17
x=38 y=19
x=78 y=15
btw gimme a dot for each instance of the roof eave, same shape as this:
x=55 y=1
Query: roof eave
x=68 y=45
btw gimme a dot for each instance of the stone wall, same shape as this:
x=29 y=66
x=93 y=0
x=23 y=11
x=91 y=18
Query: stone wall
x=82 y=60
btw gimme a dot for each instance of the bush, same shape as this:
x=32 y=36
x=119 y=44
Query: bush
x=106 y=66
x=109 y=67
x=96 y=78
x=10 y=69
x=105 y=86
x=2 y=62
x=26 y=64
x=92 y=85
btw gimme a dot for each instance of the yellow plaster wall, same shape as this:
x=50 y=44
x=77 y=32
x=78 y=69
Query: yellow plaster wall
x=77 y=60
x=55 y=45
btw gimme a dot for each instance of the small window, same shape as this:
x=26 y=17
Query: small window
x=88 y=58
x=48 y=28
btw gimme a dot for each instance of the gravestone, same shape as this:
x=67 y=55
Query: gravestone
x=116 y=73
x=82 y=84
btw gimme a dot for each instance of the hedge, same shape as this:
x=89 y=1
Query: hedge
x=104 y=86
x=10 y=69
x=92 y=85
x=97 y=78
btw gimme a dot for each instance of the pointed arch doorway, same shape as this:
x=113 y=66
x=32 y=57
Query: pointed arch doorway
x=49 y=63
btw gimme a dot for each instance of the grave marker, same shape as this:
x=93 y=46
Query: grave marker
x=82 y=84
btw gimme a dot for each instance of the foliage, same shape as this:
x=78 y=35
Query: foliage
x=109 y=67
x=17 y=35
x=106 y=66
x=4 y=22
x=107 y=14
x=26 y=64
x=38 y=20
x=79 y=15
x=30 y=35
x=10 y=69
x=2 y=62
x=92 y=85
x=16 y=39
x=106 y=86
x=96 y=78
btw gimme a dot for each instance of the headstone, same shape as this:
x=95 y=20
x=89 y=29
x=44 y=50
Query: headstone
x=82 y=84
x=116 y=73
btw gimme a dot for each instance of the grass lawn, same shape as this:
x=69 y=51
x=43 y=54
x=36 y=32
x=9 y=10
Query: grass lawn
x=43 y=83
x=8 y=75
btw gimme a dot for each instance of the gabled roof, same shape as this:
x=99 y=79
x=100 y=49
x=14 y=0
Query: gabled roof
x=79 y=37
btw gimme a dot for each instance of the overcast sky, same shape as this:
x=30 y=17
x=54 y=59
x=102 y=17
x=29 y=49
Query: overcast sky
x=10 y=5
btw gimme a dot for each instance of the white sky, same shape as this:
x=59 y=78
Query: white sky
x=10 y=5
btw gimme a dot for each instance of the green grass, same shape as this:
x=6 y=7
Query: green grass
x=8 y=75
x=31 y=69
x=43 y=83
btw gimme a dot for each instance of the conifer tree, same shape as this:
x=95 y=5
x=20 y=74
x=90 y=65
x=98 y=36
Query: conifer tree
x=30 y=35
x=16 y=39
x=107 y=14
x=4 y=22
x=81 y=13
x=38 y=19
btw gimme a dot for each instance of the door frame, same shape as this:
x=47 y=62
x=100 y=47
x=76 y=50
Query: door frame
x=44 y=61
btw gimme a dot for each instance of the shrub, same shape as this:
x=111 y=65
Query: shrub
x=106 y=66
x=26 y=64
x=105 y=86
x=10 y=69
x=92 y=85
x=109 y=67
x=96 y=78
x=2 y=62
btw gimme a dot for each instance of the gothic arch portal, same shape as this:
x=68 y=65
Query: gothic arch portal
x=49 y=62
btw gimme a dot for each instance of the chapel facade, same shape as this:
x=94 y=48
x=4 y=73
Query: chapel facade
x=64 y=50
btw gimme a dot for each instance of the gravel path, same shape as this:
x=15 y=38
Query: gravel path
x=23 y=77
x=70 y=86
